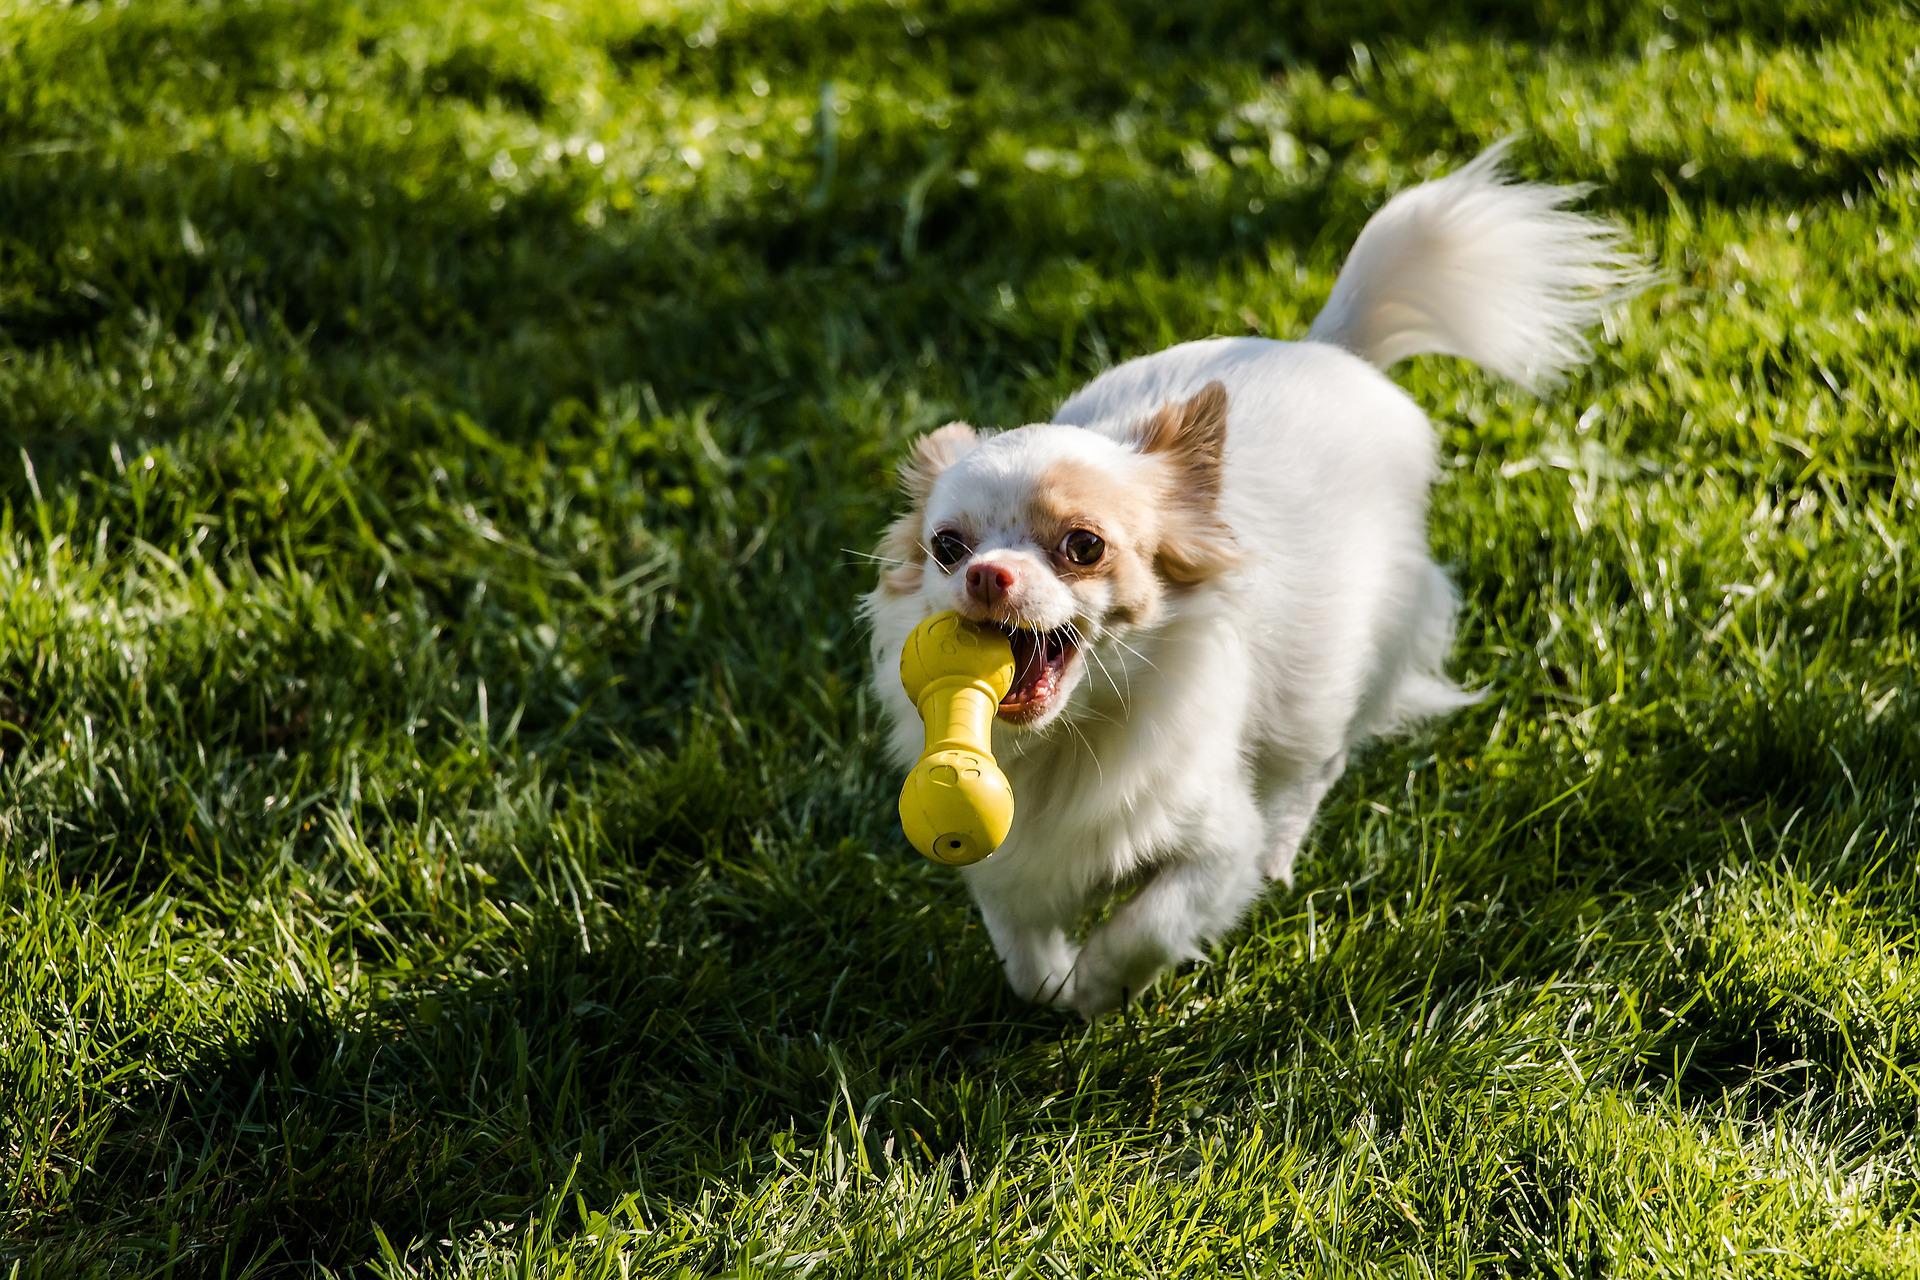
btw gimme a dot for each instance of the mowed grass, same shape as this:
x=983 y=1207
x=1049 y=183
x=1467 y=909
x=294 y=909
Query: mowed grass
x=442 y=831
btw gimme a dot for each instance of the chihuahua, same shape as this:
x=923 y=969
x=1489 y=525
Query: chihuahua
x=1212 y=565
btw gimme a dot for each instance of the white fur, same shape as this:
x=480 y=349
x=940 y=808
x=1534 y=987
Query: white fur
x=1193 y=749
x=989 y=483
x=1475 y=265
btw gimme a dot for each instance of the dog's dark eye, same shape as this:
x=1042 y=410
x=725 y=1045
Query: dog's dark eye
x=948 y=550
x=1083 y=547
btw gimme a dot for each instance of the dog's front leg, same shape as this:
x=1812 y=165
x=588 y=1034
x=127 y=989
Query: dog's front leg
x=1189 y=901
x=1030 y=940
x=1289 y=808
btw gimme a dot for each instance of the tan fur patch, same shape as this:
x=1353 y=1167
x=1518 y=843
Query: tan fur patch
x=900 y=545
x=1190 y=439
x=900 y=549
x=932 y=454
x=1071 y=495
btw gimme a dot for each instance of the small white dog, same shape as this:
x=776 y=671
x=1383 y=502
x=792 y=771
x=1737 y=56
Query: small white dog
x=1213 y=566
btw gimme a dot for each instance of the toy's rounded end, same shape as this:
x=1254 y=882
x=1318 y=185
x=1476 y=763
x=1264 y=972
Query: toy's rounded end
x=956 y=807
x=948 y=645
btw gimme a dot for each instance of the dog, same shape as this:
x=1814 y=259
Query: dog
x=1212 y=566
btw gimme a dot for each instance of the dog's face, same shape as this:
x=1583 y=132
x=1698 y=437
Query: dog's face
x=1061 y=536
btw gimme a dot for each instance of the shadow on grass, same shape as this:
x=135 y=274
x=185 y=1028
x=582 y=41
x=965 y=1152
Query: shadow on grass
x=675 y=1051
x=618 y=1066
x=1012 y=37
x=502 y=301
x=1656 y=183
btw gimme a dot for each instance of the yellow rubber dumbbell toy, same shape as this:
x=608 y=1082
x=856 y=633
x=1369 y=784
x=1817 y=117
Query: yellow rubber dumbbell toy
x=956 y=806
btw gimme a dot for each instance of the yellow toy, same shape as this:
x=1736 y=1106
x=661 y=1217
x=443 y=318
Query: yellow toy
x=956 y=806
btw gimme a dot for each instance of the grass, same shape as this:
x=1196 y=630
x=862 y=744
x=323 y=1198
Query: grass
x=441 y=828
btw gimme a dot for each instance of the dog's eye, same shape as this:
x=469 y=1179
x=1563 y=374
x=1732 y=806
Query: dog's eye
x=1083 y=547
x=948 y=550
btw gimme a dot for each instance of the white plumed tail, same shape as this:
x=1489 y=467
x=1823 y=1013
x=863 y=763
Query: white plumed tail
x=1477 y=265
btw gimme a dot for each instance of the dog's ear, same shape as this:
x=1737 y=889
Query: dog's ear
x=932 y=454
x=900 y=552
x=1189 y=437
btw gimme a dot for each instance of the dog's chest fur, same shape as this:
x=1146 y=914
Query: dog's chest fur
x=1115 y=786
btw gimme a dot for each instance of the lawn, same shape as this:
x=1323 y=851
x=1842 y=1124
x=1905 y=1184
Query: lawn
x=442 y=829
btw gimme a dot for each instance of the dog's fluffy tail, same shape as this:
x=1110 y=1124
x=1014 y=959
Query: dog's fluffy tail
x=1477 y=265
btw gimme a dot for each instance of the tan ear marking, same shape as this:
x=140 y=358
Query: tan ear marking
x=1190 y=437
x=1191 y=434
x=1196 y=553
x=932 y=454
x=900 y=549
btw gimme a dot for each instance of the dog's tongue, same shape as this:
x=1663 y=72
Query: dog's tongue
x=1029 y=665
x=1035 y=665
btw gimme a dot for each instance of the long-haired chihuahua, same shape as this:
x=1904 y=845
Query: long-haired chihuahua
x=1212 y=564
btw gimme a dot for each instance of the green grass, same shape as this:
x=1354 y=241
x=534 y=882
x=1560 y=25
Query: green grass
x=442 y=832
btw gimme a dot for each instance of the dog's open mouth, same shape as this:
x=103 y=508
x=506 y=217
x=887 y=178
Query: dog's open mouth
x=1040 y=660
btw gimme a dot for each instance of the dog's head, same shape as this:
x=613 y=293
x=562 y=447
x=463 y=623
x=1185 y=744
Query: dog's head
x=1061 y=536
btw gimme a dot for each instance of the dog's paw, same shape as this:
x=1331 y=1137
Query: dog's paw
x=1100 y=981
x=1277 y=863
x=1116 y=966
x=1095 y=997
x=1044 y=975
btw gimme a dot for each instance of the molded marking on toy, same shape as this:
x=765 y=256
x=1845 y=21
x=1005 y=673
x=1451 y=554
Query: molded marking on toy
x=956 y=806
